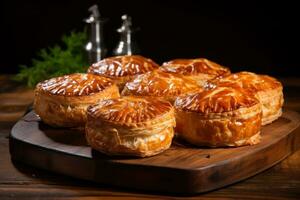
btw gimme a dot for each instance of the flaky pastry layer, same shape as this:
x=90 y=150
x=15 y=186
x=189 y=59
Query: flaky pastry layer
x=217 y=100
x=160 y=84
x=65 y=110
x=201 y=70
x=143 y=131
x=77 y=84
x=221 y=122
x=266 y=89
x=122 y=69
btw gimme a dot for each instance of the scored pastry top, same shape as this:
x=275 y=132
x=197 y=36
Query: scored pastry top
x=217 y=100
x=194 y=67
x=120 y=66
x=74 y=85
x=129 y=110
x=160 y=84
x=248 y=80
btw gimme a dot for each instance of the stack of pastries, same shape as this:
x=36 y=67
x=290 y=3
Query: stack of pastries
x=129 y=105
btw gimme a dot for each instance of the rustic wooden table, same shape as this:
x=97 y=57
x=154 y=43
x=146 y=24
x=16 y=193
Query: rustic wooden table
x=18 y=181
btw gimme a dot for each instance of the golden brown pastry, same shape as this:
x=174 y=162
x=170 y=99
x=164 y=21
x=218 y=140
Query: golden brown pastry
x=130 y=126
x=160 y=84
x=222 y=116
x=62 y=101
x=201 y=69
x=266 y=89
x=122 y=68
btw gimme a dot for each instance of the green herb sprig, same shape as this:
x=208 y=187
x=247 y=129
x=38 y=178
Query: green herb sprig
x=57 y=60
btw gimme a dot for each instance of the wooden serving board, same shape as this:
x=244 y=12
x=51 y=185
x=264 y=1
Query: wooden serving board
x=181 y=169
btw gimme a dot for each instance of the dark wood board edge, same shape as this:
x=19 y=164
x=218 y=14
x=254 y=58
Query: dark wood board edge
x=170 y=180
x=96 y=170
x=241 y=169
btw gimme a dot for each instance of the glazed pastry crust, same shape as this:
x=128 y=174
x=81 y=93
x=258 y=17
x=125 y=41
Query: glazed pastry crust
x=200 y=69
x=219 y=117
x=267 y=90
x=62 y=101
x=122 y=68
x=161 y=85
x=130 y=126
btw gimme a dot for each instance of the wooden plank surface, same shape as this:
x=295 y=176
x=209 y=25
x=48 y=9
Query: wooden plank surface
x=18 y=181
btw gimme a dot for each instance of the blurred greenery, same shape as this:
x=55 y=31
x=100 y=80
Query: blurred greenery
x=57 y=60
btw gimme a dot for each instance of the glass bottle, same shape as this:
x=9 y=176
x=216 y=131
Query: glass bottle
x=95 y=47
x=127 y=44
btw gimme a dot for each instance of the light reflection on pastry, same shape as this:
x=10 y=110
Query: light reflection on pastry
x=122 y=68
x=130 y=126
x=62 y=101
x=201 y=69
x=222 y=116
x=160 y=84
x=267 y=90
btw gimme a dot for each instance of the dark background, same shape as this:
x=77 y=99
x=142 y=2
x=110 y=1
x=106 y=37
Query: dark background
x=254 y=36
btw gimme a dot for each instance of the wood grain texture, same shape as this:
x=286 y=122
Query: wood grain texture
x=12 y=110
x=181 y=169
